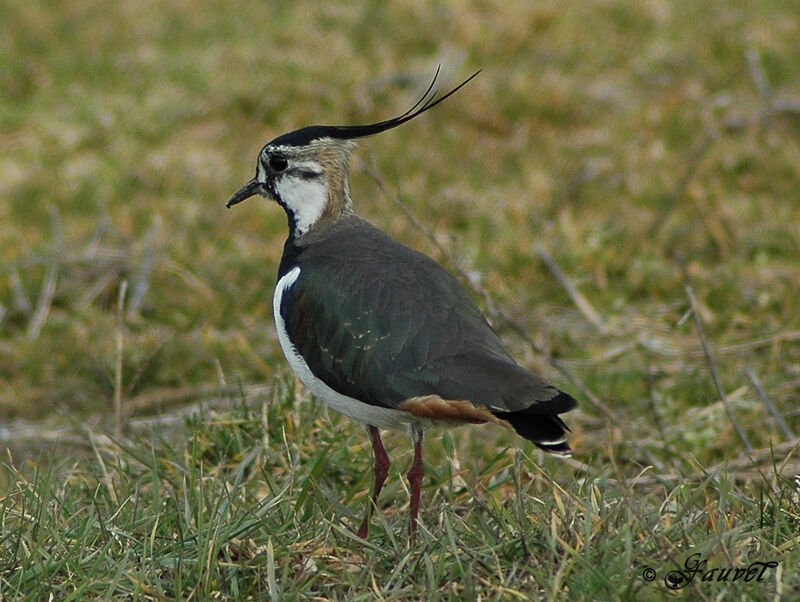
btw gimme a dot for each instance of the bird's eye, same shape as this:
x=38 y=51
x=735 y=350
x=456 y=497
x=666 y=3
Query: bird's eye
x=278 y=163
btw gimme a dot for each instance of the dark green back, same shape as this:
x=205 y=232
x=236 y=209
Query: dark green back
x=380 y=322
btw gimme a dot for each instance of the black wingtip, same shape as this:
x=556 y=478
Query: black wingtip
x=541 y=424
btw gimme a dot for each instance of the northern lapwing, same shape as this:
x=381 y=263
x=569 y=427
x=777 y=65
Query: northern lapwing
x=379 y=331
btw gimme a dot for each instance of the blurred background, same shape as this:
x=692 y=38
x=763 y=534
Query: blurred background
x=618 y=188
x=608 y=155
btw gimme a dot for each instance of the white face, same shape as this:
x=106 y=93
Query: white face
x=304 y=193
x=302 y=179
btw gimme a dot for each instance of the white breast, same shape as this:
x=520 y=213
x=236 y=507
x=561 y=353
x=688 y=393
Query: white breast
x=384 y=418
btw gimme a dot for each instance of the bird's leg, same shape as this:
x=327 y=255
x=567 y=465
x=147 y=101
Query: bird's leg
x=381 y=470
x=415 y=478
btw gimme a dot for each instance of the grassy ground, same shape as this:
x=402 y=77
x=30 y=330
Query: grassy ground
x=620 y=189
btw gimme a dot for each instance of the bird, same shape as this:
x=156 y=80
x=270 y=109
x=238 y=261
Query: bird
x=379 y=331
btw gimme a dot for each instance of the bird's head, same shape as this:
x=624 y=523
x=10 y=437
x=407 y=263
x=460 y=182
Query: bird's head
x=306 y=171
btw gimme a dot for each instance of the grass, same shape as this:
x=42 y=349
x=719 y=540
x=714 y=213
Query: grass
x=619 y=189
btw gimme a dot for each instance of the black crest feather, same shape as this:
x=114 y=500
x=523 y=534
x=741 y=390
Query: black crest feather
x=428 y=100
